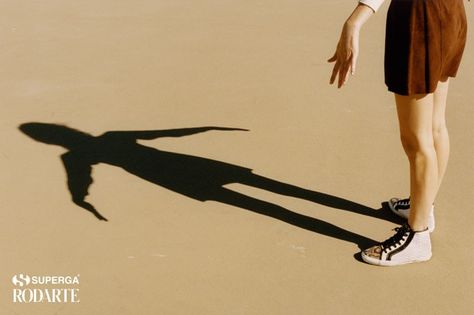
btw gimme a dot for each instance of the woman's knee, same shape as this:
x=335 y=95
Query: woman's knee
x=417 y=143
x=439 y=129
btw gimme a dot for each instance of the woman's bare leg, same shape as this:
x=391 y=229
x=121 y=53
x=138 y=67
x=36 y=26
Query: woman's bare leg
x=440 y=131
x=415 y=115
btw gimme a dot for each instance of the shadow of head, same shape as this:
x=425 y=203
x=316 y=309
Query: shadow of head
x=55 y=134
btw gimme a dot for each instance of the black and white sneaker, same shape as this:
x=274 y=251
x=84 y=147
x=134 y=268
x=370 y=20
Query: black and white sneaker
x=406 y=246
x=401 y=207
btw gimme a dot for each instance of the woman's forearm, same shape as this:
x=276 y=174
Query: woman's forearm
x=359 y=16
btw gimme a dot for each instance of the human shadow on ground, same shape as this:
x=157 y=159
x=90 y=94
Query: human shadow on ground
x=193 y=176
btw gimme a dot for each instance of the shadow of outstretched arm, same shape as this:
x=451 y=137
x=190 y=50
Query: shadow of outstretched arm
x=153 y=134
x=79 y=178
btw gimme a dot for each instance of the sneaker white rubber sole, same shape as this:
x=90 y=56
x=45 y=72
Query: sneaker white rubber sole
x=404 y=213
x=390 y=263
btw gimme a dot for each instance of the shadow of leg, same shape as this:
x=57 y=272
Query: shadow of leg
x=314 y=196
x=230 y=197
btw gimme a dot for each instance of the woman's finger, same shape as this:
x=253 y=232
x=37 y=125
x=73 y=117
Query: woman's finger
x=354 y=62
x=335 y=70
x=333 y=58
x=351 y=64
x=355 y=52
x=340 y=75
x=344 y=70
x=347 y=71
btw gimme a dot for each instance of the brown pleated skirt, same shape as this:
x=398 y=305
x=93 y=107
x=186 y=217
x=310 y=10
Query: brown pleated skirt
x=424 y=43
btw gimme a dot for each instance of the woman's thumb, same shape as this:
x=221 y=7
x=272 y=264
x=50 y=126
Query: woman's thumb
x=333 y=58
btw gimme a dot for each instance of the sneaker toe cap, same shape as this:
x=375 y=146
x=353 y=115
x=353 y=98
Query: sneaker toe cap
x=374 y=252
x=394 y=200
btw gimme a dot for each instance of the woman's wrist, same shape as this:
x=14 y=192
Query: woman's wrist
x=353 y=25
x=360 y=15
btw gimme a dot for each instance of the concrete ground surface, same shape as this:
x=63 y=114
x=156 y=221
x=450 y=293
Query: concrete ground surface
x=332 y=158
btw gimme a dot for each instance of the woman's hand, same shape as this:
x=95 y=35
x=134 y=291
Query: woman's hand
x=347 y=50
x=346 y=54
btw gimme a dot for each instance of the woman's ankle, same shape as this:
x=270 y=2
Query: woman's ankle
x=418 y=227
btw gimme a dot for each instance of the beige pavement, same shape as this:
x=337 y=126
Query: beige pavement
x=260 y=65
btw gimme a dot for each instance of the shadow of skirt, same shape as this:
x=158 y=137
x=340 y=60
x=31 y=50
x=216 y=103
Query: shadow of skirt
x=424 y=43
